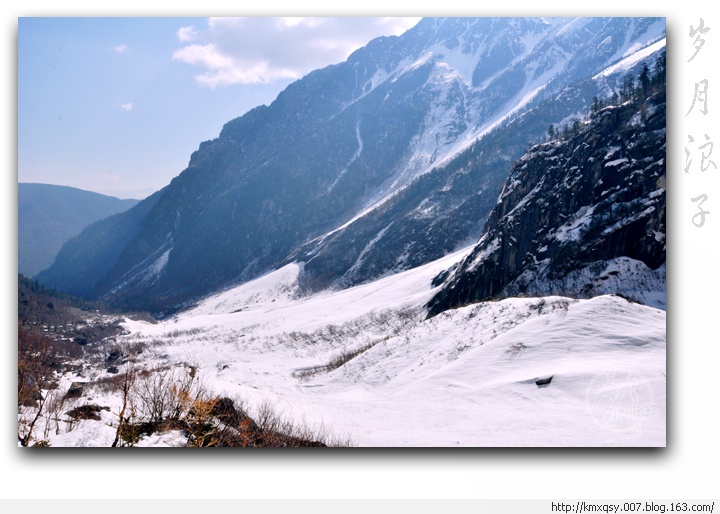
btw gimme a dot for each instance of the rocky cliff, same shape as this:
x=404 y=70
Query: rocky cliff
x=377 y=164
x=579 y=215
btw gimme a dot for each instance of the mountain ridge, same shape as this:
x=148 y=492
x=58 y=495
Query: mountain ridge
x=339 y=141
x=49 y=215
x=580 y=215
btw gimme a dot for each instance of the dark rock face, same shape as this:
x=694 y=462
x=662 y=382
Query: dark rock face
x=544 y=382
x=76 y=390
x=577 y=216
x=359 y=170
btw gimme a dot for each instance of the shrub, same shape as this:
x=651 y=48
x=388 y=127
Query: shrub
x=36 y=371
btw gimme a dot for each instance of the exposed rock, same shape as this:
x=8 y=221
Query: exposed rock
x=578 y=216
x=76 y=390
x=544 y=382
x=390 y=128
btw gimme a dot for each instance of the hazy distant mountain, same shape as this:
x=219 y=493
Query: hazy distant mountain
x=378 y=164
x=49 y=215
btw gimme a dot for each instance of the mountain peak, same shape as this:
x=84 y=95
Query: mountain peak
x=360 y=169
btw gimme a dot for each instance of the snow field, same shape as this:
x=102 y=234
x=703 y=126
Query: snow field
x=464 y=378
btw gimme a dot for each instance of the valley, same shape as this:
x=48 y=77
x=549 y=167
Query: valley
x=454 y=238
x=366 y=367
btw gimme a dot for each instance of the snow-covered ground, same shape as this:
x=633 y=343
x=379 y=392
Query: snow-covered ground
x=464 y=378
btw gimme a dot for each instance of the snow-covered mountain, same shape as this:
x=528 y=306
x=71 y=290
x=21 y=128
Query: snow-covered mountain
x=454 y=238
x=580 y=215
x=365 y=364
x=378 y=164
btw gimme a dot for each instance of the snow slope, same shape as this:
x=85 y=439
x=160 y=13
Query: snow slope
x=348 y=149
x=466 y=377
x=441 y=139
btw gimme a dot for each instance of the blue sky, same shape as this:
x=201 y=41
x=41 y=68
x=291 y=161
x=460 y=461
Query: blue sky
x=117 y=105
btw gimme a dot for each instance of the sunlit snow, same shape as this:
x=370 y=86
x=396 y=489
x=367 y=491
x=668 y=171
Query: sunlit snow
x=466 y=377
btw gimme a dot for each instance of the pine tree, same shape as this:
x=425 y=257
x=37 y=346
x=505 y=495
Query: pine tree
x=658 y=74
x=552 y=132
x=627 y=88
x=644 y=80
x=575 y=126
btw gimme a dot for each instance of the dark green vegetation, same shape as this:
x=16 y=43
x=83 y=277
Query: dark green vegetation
x=49 y=215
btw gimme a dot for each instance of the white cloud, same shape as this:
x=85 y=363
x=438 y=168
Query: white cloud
x=127 y=107
x=120 y=48
x=185 y=34
x=262 y=50
x=206 y=56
